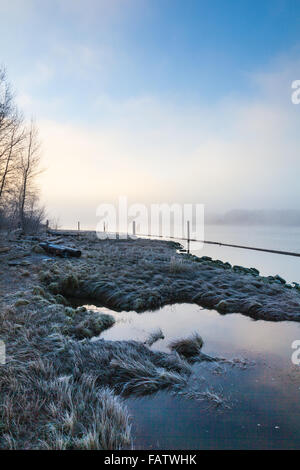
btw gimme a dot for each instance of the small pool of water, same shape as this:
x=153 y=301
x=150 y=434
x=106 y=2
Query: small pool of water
x=264 y=397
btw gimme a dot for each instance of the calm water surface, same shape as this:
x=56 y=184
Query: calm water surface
x=274 y=238
x=263 y=398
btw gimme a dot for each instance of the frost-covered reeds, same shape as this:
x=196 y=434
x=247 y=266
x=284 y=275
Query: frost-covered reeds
x=154 y=336
x=145 y=275
x=41 y=409
x=187 y=347
x=58 y=391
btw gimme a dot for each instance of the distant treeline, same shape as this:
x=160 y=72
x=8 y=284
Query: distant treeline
x=256 y=217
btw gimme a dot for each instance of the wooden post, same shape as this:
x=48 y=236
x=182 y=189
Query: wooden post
x=188 y=236
x=104 y=228
x=78 y=225
x=133 y=227
x=47 y=224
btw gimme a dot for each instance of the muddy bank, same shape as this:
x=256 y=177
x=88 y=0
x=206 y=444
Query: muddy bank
x=144 y=274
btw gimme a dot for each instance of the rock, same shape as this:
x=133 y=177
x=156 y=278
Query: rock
x=227 y=265
x=280 y=279
x=222 y=306
x=241 y=269
x=218 y=262
x=254 y=307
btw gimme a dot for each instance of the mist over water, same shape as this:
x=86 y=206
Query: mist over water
x=279 y=218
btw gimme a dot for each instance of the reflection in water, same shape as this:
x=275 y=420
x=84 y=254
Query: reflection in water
x=265 y=398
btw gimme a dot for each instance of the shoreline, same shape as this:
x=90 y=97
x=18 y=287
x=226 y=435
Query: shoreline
x=165 y=277
x=53 y=366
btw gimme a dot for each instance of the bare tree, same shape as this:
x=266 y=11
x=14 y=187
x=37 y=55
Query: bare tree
x=19 y=165
x=9 y=156
x=6 y=99
x=11 y=136
x=29 y=169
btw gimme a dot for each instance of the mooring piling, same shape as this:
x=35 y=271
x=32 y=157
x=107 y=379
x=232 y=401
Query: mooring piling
x=188 y=235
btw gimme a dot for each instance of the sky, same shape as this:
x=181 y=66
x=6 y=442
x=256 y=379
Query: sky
x=158 y=100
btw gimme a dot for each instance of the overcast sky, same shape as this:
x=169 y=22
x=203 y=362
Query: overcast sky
x=159 y=100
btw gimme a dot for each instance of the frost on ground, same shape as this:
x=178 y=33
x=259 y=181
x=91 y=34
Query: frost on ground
x=59 y=392
x=143 y=274
x=59 y=389
x=154 y=336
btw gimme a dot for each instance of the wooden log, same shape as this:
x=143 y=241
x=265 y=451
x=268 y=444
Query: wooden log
x=60 y=250
x=4 y=249
x=62 y=233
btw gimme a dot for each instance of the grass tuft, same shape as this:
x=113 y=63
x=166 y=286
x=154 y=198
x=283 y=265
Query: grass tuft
x=187 y=347
x=154 y=336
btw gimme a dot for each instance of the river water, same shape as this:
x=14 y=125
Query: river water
x=276 y=238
